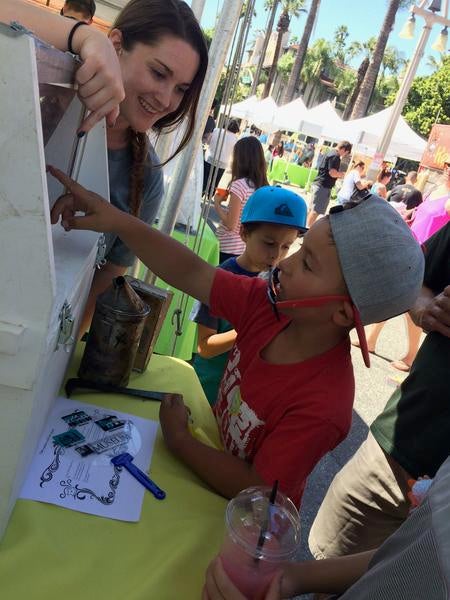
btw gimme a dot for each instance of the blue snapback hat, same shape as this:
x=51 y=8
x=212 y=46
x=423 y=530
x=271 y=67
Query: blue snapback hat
x=273 y=204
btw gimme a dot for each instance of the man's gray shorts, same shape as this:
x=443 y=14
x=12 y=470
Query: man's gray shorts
x=320 y=198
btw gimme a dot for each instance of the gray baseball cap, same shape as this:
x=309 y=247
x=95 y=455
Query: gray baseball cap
x=381 y=261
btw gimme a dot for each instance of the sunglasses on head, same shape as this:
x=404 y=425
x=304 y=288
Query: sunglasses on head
x=314 y=301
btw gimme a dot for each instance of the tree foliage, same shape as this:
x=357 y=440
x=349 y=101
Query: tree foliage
x=428 y=100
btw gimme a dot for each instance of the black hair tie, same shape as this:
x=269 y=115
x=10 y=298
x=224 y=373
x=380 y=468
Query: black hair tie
x=72 y=33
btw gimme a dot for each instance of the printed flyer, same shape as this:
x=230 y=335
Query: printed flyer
x=72 y=467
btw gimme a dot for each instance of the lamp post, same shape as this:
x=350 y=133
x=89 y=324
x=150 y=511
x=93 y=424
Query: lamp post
x=431 y=17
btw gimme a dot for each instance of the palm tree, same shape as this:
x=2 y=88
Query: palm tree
x=273 y=9
x=353 y=50
x=319 y=59
x=294 y=79
x=289 y=8
x=435 y=63
x=367 y=87
x=340 y=42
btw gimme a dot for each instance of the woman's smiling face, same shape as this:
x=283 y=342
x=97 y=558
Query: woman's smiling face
x=155 y=78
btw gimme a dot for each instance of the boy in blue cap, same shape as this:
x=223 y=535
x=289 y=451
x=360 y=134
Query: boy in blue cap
x=287 y=393
x=267 y=238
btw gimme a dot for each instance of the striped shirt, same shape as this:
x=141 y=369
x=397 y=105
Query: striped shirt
x=230 y=241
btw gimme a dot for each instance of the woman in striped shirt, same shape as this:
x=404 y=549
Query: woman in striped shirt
x=248 y=173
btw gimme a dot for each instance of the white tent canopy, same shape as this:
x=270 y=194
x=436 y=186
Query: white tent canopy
x=263 y=114
x=323 y=121
x=367 y=133
x=291 y=115
x=243 y=109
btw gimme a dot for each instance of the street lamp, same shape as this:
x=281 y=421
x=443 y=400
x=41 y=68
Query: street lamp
x=431 y=16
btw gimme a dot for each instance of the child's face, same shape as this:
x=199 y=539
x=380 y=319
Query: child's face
x=314 y=270
x=267 y=245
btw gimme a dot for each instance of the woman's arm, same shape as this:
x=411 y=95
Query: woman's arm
x=230 y=217
x=99 y=79
x=211 y=344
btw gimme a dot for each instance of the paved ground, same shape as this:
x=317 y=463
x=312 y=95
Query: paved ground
x=373 y=388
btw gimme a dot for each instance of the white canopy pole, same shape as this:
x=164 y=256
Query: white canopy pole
x=197 y=8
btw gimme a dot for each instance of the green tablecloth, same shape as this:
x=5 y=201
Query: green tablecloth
x=182 y=346
x=282 y=171
x=49 y=552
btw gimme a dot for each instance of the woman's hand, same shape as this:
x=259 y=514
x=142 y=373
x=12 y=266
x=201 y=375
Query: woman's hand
x=174 y=418
x=99 y=78
x=218 y=585
x=100 y=215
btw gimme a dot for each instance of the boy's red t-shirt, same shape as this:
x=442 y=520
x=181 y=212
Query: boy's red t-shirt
x=281 y=418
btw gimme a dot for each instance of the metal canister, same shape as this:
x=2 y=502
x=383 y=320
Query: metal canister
x=114 y=336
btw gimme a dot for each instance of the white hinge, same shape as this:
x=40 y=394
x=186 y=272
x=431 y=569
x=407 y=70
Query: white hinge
x=66 y=323
x=101 y=251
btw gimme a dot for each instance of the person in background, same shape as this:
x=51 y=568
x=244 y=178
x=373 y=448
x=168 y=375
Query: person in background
x=278 y=151
x=434 y=212
x=210 y=125
x=248 y=173
x=80 y=10
x=352 y=180
x=325 y=180
x=268 y=156
x=406 y=197
x=306 y=155
x=379 y=187
x=368 y=499
x=218 y=155
x=267 y=241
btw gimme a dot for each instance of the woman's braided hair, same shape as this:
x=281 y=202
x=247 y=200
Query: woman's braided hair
x=139 y=150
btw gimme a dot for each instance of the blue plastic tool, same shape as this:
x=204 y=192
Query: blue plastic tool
x=126 y=460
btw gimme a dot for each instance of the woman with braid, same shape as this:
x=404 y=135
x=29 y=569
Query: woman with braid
x=163 y=59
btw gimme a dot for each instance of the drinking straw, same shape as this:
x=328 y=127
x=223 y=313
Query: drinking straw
x=265 y=525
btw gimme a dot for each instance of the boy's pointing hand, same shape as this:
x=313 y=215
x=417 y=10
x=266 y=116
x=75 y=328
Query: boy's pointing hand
x=99 y=215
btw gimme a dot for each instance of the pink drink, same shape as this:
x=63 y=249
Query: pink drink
x=249 y=566
x=250 y=575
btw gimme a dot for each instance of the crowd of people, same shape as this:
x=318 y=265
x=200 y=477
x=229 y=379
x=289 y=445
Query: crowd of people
x=282 y=390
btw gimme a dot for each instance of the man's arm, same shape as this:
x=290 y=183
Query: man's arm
x=225 y=473
x=431 y=312
x=163 y=255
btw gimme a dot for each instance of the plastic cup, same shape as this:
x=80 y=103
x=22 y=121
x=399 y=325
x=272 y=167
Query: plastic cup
x=222 y=193
x=250 y=566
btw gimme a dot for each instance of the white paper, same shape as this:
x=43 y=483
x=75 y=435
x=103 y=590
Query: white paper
x=91 y=483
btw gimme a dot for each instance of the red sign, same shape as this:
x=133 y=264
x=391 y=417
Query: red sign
x=438 y=148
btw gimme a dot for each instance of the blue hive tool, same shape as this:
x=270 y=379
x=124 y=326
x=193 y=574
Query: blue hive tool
x=126 y=460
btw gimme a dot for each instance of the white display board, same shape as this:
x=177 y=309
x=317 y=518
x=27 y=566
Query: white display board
x=46 y=273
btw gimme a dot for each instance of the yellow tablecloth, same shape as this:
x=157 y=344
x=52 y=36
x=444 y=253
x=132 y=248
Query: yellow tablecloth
x=50 y=552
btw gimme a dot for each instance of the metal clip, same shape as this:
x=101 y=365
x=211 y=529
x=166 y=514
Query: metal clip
x=100 y=259
x=176 y=316
x=66 y=324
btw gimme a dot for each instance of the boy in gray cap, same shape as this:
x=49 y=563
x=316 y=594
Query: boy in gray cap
x=287 y=392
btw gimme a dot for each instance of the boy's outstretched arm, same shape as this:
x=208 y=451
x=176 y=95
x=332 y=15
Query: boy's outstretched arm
x=225 y=473
x=166 y=257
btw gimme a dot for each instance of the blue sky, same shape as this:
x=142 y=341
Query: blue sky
x=362 y=17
